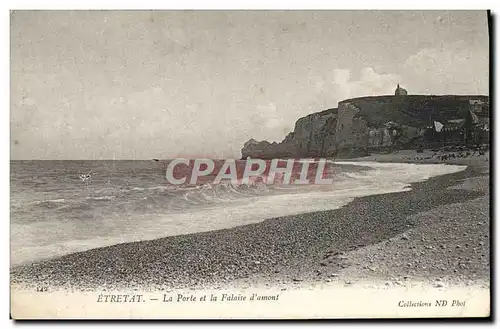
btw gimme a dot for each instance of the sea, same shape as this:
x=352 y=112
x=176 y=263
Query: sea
x=54 y=212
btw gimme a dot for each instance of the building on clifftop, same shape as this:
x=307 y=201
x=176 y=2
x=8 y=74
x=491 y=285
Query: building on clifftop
x=400 y=91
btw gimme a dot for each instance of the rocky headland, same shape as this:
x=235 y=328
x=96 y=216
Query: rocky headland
x=363 y=125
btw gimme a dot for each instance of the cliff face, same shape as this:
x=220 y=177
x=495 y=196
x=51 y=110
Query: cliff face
x=314 y=133
x=362 y=124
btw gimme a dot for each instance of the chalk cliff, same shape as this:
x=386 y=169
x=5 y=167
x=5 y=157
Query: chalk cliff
x=360 y=125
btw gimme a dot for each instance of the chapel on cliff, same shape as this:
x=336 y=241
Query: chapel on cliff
x=400 y=91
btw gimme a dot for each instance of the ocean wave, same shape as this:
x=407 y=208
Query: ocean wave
x=132 y=213
x=102 y=198
x=50 y=201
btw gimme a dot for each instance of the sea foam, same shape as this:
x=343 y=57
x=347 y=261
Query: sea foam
x=207 y=208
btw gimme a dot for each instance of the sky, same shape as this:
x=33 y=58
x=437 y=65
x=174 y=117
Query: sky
x=165 y=84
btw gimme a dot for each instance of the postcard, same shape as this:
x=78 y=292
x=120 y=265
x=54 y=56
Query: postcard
x=249 y=164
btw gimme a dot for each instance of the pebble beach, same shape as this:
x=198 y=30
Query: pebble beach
x=438 y=232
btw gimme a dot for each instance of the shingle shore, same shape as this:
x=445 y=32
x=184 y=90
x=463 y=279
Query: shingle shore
x=285 y=248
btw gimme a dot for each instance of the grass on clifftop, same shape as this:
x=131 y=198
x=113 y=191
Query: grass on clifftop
x=415 y=110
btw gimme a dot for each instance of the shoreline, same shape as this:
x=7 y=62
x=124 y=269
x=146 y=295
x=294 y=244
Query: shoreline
x=285 y=251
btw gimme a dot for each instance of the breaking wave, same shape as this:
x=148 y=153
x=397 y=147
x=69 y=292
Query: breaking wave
x=102 y=215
